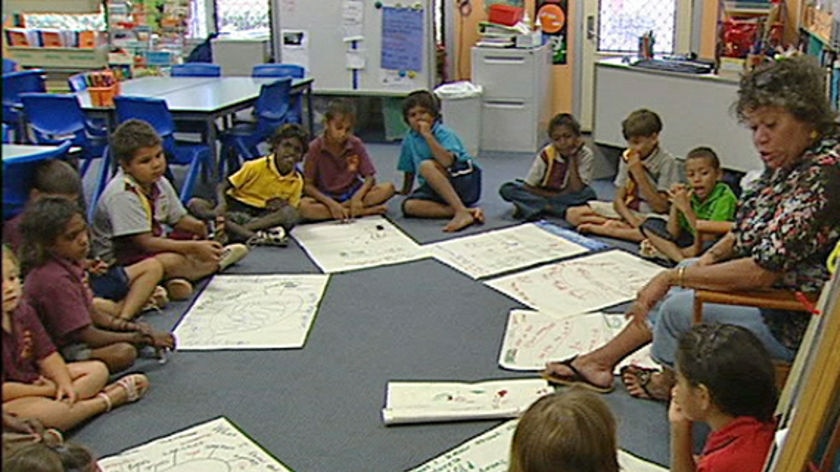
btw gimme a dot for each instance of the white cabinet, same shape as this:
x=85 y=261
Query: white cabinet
x=238 y=54
x=515 y=103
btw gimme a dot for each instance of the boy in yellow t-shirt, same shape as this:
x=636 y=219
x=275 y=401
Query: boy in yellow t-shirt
x=259 y=203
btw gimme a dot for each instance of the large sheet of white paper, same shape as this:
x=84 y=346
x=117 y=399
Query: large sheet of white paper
x=212 y=446
x=503 y=250
x=426 y=402
x=579 y=285
x=252 y=312
x=490 y=452
x=359 y=244
x=533 y=338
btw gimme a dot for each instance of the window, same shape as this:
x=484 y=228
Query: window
x=621 y=22
x=242 y=15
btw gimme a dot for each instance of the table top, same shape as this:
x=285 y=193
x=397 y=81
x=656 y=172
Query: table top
x=195 y=94
x=26 y=152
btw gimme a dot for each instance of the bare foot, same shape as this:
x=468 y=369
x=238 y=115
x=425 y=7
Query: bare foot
x=586 y=228
x=478 y=215
x=587 y=372
x=461 y=220
x=647 y=383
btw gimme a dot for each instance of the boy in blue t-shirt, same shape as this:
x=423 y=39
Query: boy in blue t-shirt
x=450 y=182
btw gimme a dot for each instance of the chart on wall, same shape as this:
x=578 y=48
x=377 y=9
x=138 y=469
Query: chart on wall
x=581 y=284
x=355 y=45
x=252 y=312
x=553 y=20
x=216 y=445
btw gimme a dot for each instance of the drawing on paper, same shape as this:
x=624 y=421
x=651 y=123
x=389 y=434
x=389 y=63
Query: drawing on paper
x=495 y=252
x=533 y=338
x=362 y=243
x=216 y=445
x=579 y=285
x=252 y=312
x=490 y=451
x=412 y=402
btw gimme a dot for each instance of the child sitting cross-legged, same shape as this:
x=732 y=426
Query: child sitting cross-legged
x=340 y=182
x=646 y=172
x=725 y=379
x=37 y=383
x=138 y=205
x=704 y=201
x=559 y=176
x=450 y=181
x=123 y=291
x=259 y=204
x=54 y=252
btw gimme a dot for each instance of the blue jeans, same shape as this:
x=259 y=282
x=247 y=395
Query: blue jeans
x=673 y=316
x=531 y=206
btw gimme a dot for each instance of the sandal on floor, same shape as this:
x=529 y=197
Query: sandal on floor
x=577 y=379
x=643 y=377
x=135 y=386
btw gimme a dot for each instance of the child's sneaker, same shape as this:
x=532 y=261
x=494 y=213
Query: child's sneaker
x=270 y=237
x=231 y=254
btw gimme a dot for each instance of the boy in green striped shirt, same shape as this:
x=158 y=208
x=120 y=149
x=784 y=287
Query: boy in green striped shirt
x=705 y=198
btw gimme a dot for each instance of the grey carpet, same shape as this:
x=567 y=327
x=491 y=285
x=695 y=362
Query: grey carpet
x=317 y=408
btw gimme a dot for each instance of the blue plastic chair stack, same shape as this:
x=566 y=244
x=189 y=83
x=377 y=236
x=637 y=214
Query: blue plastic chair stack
x=154 y=111
x=17 y=178
x=57 y=118
x=196 y=69
x=9 y=65
x=285 y=70
x=7 y=134
x=95 y=126
x=272 y=111
x=14 y=84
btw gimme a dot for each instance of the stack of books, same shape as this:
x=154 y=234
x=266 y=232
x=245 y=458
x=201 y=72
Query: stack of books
x=495 y=35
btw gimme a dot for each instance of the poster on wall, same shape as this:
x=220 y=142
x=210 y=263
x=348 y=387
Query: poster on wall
x=552 y=15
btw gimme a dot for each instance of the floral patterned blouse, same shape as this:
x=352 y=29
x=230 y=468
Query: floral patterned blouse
x=788 y=222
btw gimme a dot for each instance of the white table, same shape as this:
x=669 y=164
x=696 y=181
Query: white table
x=694 y=111
x=22 y=153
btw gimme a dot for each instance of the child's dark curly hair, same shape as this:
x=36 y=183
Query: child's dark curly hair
x=290 y=130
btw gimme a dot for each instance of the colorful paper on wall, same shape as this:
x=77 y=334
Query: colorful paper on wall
x=552 y=17
x=402 y=39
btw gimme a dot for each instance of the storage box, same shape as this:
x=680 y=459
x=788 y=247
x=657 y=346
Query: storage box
x=530 y=40
x=505 y=14
x=103 y=97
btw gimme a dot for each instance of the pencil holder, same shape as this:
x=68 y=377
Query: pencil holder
x=102 y=97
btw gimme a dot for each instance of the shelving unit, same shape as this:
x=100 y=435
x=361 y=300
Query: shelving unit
x=746 y=28
x=819 y=36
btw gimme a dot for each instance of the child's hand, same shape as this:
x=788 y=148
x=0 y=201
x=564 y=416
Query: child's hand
x=632 y=157
x=162 y=340
x=424 y=127
x=338 y=211
x=675 y=413
x=356 y=207
x=96 y=266
x=207 y=250
x=680 y=195
x=49 y=387
x=66 y=391
x=274 y=204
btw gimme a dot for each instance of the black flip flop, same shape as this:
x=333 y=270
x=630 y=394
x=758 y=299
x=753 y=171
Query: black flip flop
x=576 y=379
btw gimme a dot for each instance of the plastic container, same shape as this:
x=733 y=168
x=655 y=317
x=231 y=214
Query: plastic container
x=103 y=97
x=461 y=109
x=505 y=14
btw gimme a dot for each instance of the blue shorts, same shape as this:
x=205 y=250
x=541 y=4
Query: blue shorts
x=112 y=285
x=465 y=179
x=659 y=227
x=343 y=197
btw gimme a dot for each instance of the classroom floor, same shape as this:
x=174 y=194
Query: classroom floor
x=318 y=408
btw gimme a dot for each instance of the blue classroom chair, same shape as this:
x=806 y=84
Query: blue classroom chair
x=14 y=84
x=154 y=111
x=7 y=134
x=9 y=65
x=271 y=110
x=285 y=70
x=55 y=118
x=78 y=82
x=17 y=178
x=196 y=69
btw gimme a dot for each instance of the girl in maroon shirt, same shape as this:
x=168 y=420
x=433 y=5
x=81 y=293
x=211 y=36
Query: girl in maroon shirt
x=37 y=383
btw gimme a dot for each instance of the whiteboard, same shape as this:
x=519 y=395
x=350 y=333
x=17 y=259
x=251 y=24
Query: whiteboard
x=316 y=34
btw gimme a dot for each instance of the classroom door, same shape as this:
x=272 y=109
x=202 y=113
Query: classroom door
x=610 y=28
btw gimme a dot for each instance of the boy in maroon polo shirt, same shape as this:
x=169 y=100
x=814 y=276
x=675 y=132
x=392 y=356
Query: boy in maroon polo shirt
x=37 y=383
x=338 y=173
x=724 y=378
x=54 y=250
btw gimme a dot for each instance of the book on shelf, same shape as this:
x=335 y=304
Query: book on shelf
x=431 y=402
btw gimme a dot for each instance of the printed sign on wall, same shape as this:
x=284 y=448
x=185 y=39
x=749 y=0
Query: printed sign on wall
x=552 y=16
